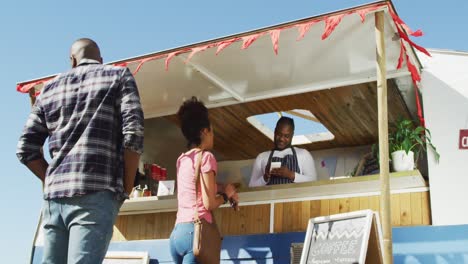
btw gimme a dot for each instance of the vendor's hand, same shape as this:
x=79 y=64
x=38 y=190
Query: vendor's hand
x=283 y=172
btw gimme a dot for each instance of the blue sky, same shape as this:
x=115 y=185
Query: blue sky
x=36 y=35
x=302 y=126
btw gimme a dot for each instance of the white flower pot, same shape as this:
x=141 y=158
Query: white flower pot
x=402 y=161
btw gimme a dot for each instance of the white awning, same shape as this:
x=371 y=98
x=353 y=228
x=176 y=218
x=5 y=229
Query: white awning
x=345 y=57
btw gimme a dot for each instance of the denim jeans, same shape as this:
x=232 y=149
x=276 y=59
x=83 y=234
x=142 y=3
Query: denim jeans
x=78 y=229
x=181 y=242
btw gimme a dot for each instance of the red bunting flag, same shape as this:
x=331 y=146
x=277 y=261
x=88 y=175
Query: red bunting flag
x=169 y=58
x=248 y=40
x=402 y=54
x=415 y=76
x=400 y=22
x=330 y=24
x=25 y=87
x=140 y=64
x=274 y=34
x=413 y=70
x=224 y=44
x=407 y=39
x=196 y=50
x=121 y=64
x=418 y=106
x=304 y=28
x=363 y=12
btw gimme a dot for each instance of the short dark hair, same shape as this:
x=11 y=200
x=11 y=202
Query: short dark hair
x=193 y=117
x=284 y=120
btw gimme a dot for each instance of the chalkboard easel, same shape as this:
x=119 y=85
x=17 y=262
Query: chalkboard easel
x=350 y=238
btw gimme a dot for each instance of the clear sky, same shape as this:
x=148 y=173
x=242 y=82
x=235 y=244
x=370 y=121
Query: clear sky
x=35 y=37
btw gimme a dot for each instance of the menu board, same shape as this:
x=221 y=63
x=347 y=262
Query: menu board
x=341 y=239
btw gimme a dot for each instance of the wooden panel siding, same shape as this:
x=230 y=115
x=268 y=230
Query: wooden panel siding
x=407 y=209
x=252 y=219
x=144 y=226
x=426 y=208
x=415 y=210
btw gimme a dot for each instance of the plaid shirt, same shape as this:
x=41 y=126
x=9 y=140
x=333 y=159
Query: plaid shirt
x=90 y=114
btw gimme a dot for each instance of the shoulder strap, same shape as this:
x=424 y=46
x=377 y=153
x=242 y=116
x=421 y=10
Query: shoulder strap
x=198 y=161
x=295 y=158
x=269 y=158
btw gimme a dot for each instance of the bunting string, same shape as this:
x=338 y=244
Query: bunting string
x=331 y=23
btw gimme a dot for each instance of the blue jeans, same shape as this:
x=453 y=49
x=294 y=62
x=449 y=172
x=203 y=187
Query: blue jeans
x=78 y=229
x=181 y=242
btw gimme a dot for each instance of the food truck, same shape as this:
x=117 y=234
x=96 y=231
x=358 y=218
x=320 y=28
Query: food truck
x=322 y=70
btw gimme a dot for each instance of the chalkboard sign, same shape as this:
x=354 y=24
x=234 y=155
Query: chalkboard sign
x=351 y=238
x=126 y=257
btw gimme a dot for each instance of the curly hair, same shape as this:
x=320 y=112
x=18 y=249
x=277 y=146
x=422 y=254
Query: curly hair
x=193 y=117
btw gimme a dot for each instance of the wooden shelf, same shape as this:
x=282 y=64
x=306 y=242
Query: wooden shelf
x=343 y=187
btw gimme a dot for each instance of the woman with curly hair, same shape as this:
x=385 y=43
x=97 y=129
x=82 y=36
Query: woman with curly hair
x=197 y=130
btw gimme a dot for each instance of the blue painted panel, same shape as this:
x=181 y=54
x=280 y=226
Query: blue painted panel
x=259 y=246
x=430 y=244
x=157 y=249
x=411 y=245
x=269 y=248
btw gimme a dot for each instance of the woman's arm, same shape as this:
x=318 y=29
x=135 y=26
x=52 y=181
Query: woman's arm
x=211 y=200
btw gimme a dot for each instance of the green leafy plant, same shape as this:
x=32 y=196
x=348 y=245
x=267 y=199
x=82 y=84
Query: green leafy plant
x=409 y=137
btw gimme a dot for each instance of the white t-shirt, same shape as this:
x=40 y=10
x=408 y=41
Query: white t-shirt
x=304 y=159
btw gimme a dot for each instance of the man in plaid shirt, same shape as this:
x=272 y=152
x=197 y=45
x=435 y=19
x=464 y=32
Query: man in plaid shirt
x=94 y=121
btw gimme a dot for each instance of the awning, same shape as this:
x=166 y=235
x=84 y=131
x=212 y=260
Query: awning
x=322 y=52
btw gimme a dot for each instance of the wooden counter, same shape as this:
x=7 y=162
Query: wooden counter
x=284 y=208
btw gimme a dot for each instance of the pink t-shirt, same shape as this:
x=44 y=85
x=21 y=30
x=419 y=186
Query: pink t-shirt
x=186 y=185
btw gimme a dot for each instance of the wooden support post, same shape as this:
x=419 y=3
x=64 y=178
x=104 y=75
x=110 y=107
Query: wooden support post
x=32 y=97
x=385 y=212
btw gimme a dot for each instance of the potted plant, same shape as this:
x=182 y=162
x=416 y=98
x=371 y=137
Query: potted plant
x=406 y=141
